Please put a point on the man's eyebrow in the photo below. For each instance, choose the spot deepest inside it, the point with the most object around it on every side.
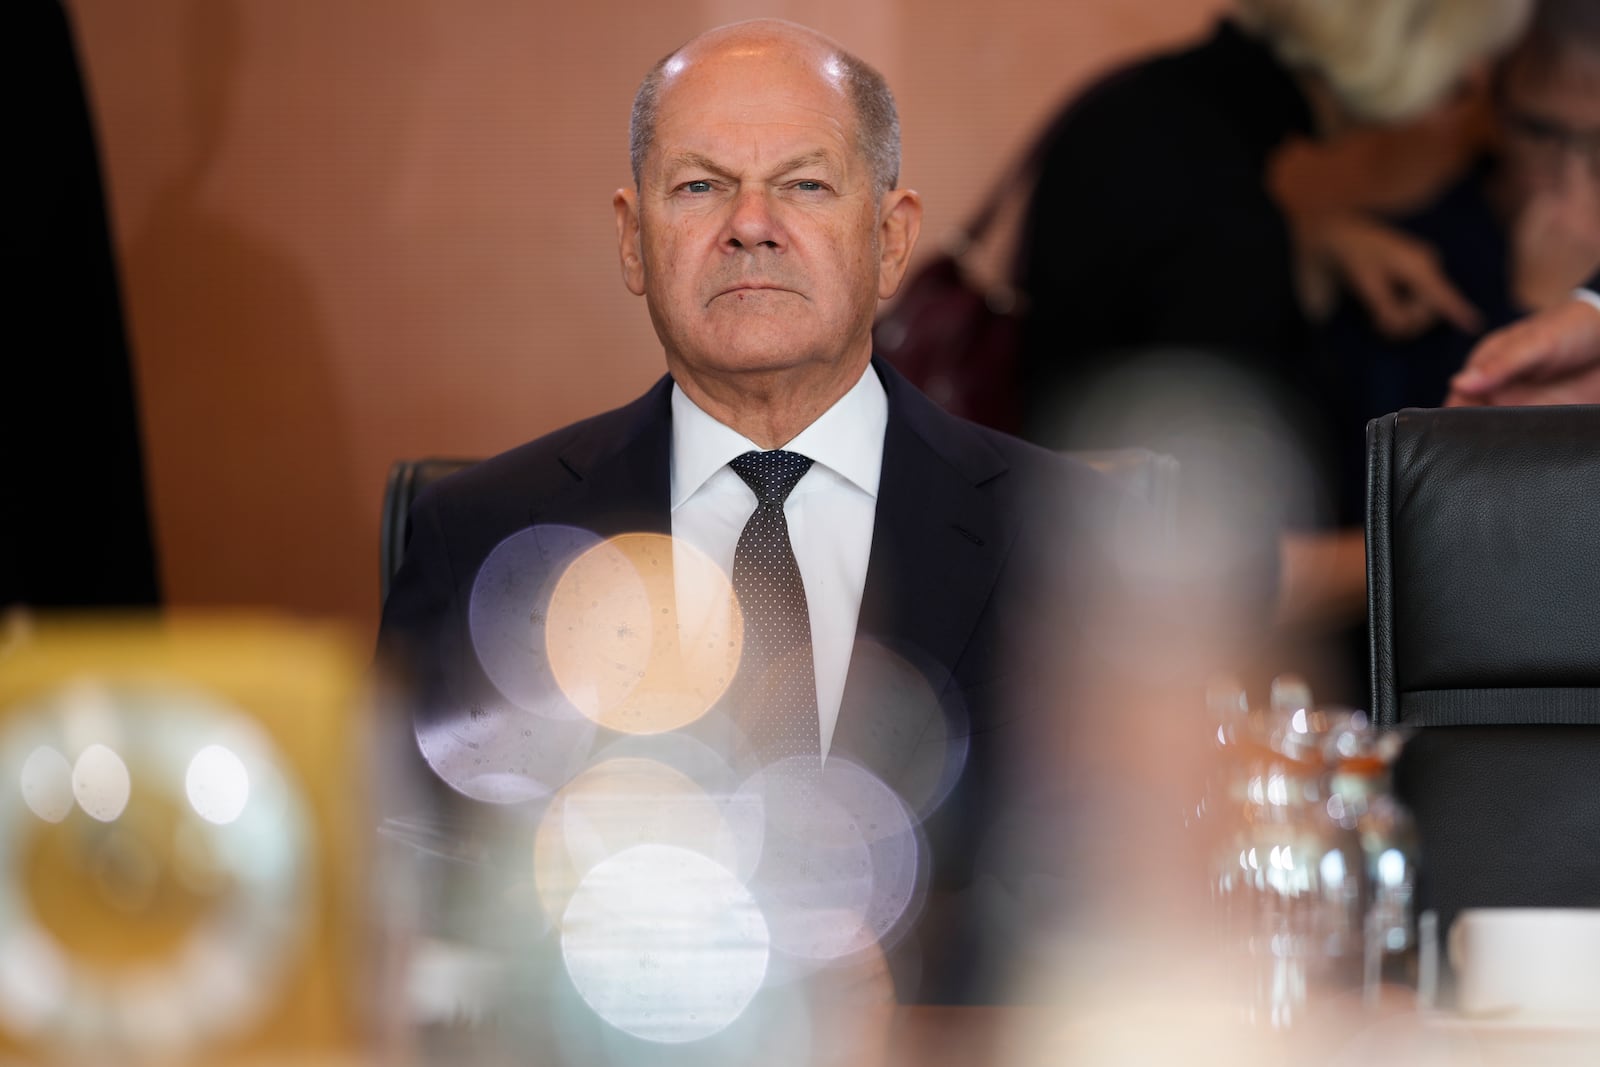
(818, 158)
(696, 161)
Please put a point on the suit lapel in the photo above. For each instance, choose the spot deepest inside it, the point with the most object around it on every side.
(938, 542)
(938, 546)
(621, 471)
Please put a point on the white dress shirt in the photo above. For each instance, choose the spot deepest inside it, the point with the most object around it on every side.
(830, 514)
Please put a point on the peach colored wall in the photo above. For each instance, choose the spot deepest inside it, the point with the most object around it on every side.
(353, 231)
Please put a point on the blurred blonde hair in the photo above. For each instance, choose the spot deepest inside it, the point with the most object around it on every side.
(1385, 60)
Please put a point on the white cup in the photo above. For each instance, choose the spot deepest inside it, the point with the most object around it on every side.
(1537, 964)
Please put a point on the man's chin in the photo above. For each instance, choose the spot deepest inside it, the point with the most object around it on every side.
(758, 342)
(756, 361)
(752, 353)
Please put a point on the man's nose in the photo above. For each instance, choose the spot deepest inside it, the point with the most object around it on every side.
(752, 222)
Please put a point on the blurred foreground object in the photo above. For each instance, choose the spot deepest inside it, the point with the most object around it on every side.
(1315, 865)
(69, 405)
(181, 862)
(1315, 958)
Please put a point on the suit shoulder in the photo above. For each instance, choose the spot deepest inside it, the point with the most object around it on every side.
(1063, 471)
(549, 464)
(1006, 465)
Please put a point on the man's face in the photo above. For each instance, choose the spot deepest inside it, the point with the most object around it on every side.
(755, 234)
(1550, 117)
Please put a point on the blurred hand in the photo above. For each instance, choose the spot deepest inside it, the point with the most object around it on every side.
(1552, 357)
(1555, 242)
(1396, 276)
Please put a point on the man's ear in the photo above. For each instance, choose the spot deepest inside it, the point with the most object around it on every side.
(900, 221)
(626, 204)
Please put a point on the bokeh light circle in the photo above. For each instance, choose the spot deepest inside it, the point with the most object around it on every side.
(498, 753)
(734, 841)
(839, 865)
(906, 726)
(100, 783)
(217, 784)
(621, 804)
(665, 944)
(47, 784)
(644, 633)
(508, 614)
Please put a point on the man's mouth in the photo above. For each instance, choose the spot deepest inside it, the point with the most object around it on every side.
(743, 288)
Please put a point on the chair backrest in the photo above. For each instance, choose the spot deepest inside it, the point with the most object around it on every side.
(1483, 587)
(407, 478)
(1483, 566)
(1148, 477)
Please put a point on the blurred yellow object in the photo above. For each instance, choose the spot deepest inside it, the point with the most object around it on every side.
(184, 807)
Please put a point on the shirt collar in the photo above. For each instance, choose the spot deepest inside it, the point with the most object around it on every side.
(847, 439)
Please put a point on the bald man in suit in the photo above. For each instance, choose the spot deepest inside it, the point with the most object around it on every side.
(764, 225)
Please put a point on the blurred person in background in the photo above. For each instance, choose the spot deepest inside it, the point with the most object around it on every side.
(1516, 233)
(1553, 356)
(1548, 104)
(1152, 228)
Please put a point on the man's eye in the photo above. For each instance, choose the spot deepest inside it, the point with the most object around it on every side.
(808, 186)
(697, 186)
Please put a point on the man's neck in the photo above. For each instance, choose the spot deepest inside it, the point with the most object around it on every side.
(769, 408)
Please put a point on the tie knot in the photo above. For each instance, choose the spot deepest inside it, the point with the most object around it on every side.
(772, 475)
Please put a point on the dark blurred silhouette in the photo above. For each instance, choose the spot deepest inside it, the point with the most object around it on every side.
(1153, 230)
(1152, 225)
(76, 527)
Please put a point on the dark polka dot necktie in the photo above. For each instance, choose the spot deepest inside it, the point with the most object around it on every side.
(777, 686)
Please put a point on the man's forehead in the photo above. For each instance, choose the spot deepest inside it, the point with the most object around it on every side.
(790, 55)
(727, 98)
(760, 40)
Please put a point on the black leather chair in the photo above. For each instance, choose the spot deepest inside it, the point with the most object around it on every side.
(1150, 478)
(1483, 586)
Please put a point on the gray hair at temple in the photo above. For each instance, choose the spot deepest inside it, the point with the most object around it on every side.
(877, 122)
(1386, 60)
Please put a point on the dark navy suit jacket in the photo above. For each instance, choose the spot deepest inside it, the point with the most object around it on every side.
(981, 548)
